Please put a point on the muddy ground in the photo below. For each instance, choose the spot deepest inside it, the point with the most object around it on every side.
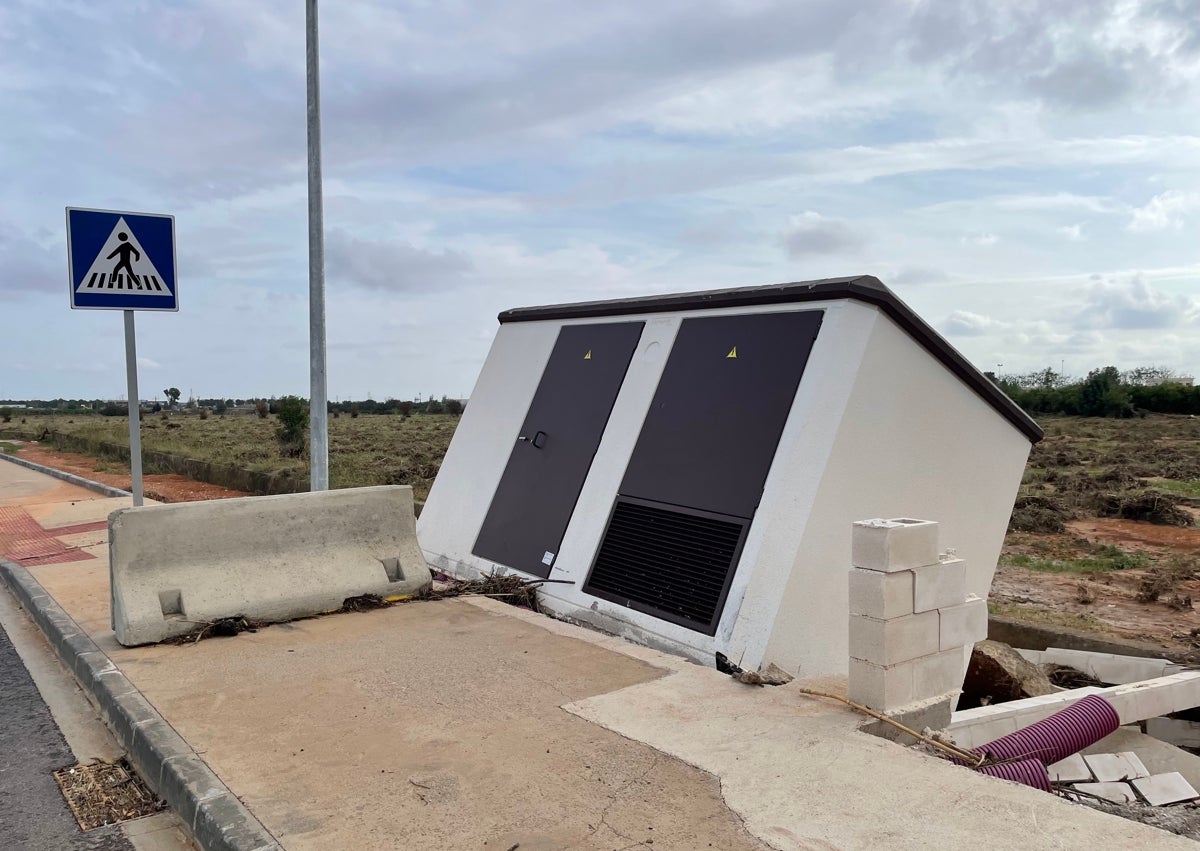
(157, 486)
(1076, 554)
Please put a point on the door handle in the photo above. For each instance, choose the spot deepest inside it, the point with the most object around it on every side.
(538, 441)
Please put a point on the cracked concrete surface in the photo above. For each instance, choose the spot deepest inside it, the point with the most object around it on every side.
(427, 725)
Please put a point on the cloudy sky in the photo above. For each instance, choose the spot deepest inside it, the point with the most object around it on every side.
(1025, 174)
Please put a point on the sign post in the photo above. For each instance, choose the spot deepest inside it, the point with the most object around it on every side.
(135, 410)
(123, 261)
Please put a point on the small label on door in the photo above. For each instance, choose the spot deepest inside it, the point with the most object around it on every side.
(548, 558)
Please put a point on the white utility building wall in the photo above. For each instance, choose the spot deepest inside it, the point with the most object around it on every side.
(887, 420)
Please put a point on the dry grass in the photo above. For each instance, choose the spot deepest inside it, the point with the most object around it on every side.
(106, 793)
(372, 449)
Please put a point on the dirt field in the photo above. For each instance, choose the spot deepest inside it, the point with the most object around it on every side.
(1103, 537)
(164, 488)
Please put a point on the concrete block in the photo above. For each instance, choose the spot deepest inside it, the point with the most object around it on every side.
(938, 674)
(270, 558)
(896, 640)
(1115, 766)
(881, 595)
(889, 545)
(1073, 769)
(963, 625)
(1139, 701)
(933, 713)
(881, 687)
(1128, 707)
(983, 732)
(1160, 790)
(1117, 793)
(939, 585)
(1185, 690)
(1028, 710)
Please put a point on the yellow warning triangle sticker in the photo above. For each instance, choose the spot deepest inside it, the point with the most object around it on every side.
(588, 356)
(732, 353)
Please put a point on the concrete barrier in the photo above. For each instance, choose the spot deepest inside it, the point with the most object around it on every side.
(175, 568)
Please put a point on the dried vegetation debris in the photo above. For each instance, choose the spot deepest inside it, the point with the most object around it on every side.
(508, 588)
(1180, 819)
(106, 793)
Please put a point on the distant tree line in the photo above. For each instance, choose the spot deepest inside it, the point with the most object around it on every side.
(113, 408)
(1104, 392)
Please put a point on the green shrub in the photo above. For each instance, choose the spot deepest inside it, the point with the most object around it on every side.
(291, 412)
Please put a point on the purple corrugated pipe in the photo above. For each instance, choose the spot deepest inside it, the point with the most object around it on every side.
(1028, 772)
(1064, 733)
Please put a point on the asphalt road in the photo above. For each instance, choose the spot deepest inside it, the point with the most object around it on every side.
(33, 814)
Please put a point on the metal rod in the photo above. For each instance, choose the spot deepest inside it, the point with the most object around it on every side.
(318, 393)
(135, 410)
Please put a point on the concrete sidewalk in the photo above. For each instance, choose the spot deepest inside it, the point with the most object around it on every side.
(470, 724)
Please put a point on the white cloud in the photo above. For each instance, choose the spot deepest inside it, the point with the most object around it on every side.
(586, 151)
(148, 363)
(1162, 212)
(1133, 304)
(964, 323)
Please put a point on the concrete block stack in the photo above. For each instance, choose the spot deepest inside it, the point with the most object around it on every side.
(910, 615)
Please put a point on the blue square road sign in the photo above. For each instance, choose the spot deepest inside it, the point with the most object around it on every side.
(121, 261)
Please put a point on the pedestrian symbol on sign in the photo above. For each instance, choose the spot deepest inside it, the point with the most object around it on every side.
(132, 274)
(125, 249)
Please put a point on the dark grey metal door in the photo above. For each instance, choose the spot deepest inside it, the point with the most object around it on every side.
(552, 455)
(698, 470)
(710, 436)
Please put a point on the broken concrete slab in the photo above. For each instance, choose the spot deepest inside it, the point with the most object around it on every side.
(1114, 792)
(1073, 769)
(998, 674)
(1116, 766)
(1159, 790)
(1158, 757)
(1133, 701)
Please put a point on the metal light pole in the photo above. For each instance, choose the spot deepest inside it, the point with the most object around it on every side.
(318, 392)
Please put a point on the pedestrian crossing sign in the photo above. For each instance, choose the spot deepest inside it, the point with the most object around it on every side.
(121, 261)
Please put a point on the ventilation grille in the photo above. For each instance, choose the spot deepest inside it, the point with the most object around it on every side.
(673, 563)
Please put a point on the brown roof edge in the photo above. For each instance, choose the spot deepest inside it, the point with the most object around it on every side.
(864, 288)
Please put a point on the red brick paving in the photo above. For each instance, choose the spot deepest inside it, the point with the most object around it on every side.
(23, 540)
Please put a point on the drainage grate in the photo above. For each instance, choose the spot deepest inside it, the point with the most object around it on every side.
(673, 563)
(106, 793)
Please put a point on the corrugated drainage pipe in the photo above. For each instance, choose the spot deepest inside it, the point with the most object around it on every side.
(1028, 772)
(1055, 738)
